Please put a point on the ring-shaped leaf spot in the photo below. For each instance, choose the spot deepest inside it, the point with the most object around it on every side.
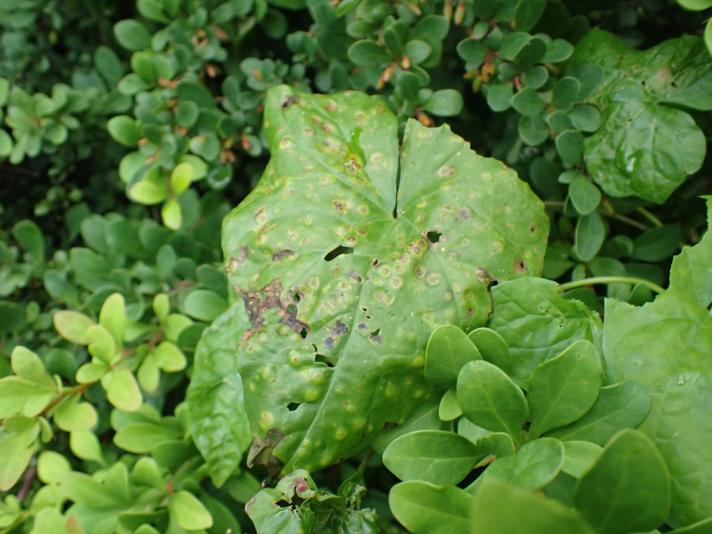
(490, 399)
(563, 388)
(646, 144)
(339, 272)
(502, 508)
(434, 456)
(491, 346)
(537, 323)
(619, 406)
(447, 351)
(535, 465)
(628, 488)
(425, 508)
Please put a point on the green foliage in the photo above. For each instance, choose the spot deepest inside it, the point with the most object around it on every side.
(375, 306)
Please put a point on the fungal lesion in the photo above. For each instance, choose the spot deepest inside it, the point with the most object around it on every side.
(257, 302)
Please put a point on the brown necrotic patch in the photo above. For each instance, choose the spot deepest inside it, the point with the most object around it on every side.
(259, 301)
(282, 254)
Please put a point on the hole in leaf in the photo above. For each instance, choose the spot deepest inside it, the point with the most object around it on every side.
(293, 406)
(433, 236)
(375, 262)
(303, 332)
(296, 297)
(320, 358)
(338, 251)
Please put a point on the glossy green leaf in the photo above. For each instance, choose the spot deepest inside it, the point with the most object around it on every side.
(171, 214)
(367, 53)
(565, 93)
(142, 437)
(537, 323)
(628, 488)
(665, 345)
(490, 399)
(491, 346)
(645, 146)
(204, 305)
(124, 130)
(72, 415)
(535, 465)
(85, 445)
(579, 456)
(433, 456)
(425, 508)
(113, 316)
(619, 406)
(447, 351)
(563, 388)
(132, 35)
(589, 237)
(584, 195)
(502, 508)
(342, 296)
(101, 344)
(444, 103)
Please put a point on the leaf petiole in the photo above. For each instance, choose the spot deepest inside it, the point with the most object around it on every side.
(611, 280)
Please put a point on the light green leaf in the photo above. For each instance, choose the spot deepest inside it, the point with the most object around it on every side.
(70, 414)
(444, 103)
(564, 388)
(85, 445)
(52, 467)
(124, 130)
(170, 357)
(579, 456)
(181, 177)
(490, 399)
(113, 316)
(189, 512)
(425, 508)
(101, 343)
(447, 351)
(122, 390)
(171, 214)
(204, 305)
(72, 326)
(17, 443)
(433, 456)
(141, 437)
(449, 409)
(627, 489)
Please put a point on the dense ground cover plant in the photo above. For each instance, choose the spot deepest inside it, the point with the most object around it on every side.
(389, 330)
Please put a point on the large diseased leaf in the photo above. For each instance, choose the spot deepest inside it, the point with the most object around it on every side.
(646, 145)
(336, 285)
(667, 346)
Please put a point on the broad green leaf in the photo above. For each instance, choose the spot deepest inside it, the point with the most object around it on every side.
(665, 345)
(218, 420)
(447, 351)
(579, 456)
(584, 195)
(563, 388)
(657, 244)
(433, 456)
(619, 406)
(181, 177)
(171, 214)
(491, 346)
(444, 103)
(149, 190)
(169, 356)
(425, 417)
(189, 512)
(527, 102)
(695, 5)
(366, 53)
(19, 396)
(72, 326)
(30, 238)
(589, 237)
(535, 465)
(646, 145)
(502, 508)
(701, 527)
(490, 399)
(28, 366)
(337, 286)
(113, 316)
(122, 390)
(18, 436)
(628, 488)
(537, 323)
(425, 508)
